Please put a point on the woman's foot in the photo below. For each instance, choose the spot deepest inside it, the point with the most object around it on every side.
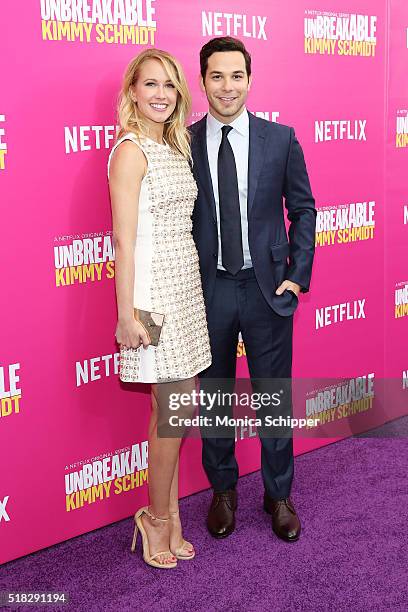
(158, 535)
(178, 545)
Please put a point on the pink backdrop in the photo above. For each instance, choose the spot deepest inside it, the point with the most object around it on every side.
(396, 236)
(62, 407)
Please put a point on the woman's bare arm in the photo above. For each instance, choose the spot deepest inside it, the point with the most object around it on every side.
(127, 168)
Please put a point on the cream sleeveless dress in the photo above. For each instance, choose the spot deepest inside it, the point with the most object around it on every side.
(167, 275)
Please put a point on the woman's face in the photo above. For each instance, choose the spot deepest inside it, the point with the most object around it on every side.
(154, 93)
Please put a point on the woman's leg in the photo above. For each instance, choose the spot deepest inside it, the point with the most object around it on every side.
(163, 469)
(163, 456)
(174, 495)
(176, 532)
(177, 541)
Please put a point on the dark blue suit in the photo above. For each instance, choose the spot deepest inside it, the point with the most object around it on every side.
(247, 302)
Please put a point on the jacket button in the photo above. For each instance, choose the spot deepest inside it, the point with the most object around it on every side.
(215, 255)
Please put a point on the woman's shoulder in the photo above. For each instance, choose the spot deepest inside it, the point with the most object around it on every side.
(127, 137)
(124, 153)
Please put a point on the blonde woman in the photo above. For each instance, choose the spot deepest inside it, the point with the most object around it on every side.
(152, 195)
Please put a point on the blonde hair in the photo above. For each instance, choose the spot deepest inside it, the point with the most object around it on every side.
(130, 119)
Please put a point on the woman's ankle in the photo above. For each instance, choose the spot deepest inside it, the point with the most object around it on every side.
(159, 517)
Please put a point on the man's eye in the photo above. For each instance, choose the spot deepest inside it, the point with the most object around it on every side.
(238, 76)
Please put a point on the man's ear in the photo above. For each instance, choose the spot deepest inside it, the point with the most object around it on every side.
(201, 82)
(249, 82)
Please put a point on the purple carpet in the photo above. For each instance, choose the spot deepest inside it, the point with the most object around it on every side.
(352, 498)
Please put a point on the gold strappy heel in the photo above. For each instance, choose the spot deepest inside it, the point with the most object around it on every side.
(147, 557)
(178, 552)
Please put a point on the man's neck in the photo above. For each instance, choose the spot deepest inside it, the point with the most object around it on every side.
(226, 120)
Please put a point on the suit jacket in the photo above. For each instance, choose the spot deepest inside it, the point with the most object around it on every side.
(276, 170)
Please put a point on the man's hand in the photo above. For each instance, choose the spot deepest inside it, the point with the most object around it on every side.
(287, 284)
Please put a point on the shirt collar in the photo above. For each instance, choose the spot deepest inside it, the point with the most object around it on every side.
(241, 124)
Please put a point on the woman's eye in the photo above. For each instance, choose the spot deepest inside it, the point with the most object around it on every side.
(170, 85)
(149, 84)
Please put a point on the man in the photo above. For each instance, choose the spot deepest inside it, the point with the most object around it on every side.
(244, 166)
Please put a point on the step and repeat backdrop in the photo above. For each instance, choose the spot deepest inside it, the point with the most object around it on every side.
(396, 191)
(73, 440)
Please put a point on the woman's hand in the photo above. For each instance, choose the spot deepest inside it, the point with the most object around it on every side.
(131, 334)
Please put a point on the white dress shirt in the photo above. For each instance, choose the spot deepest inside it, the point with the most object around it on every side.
(239, 140)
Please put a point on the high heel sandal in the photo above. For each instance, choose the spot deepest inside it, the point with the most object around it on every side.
(147, 557)
(178, 552)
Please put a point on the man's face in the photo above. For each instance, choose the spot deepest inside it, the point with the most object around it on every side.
(226, 84)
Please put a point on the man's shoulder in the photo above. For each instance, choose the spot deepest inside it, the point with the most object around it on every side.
(194, 128)
(279, 130)
(271, 126)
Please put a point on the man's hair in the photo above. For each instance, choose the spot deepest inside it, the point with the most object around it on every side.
(224, 43)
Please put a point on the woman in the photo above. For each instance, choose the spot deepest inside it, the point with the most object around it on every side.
(156, 270)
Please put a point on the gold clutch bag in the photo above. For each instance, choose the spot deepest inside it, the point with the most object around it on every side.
(152, 322)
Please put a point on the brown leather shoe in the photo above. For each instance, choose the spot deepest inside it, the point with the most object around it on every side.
(285, 521)
(221, 515)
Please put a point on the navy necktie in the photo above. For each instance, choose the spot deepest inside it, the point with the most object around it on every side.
(230, 214)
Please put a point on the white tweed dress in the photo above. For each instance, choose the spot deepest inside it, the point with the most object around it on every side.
(167, 274)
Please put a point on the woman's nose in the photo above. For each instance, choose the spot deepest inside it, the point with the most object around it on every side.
(160, 92)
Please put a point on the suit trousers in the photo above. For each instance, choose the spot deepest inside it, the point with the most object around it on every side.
(238, 305)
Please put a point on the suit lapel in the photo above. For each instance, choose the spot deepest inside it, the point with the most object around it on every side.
(200, 158)
(255, 161)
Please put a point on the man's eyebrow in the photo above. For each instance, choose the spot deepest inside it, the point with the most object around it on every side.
(234, 72)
